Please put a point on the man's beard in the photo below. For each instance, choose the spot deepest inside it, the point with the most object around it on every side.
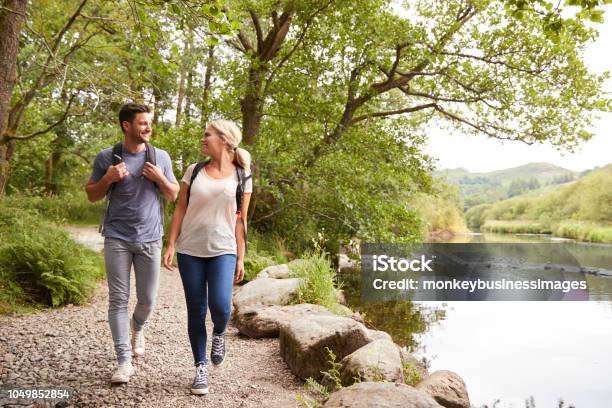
(141, 137)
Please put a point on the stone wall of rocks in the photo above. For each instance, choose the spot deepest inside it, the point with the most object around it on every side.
(372, 366)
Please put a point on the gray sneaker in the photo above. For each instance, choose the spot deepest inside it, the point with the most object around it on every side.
(200, 382)
(217, 349)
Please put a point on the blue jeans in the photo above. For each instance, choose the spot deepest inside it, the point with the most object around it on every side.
(207, 282)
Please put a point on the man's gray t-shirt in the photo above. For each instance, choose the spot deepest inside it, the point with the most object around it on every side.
(134, 212)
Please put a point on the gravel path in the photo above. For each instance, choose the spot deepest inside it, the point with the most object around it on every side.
(72, 347)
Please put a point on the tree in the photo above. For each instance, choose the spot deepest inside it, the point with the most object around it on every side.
(12, 16)
(367, 71)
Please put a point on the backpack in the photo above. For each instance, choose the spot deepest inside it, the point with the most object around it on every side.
(242, 179)
(117, 156)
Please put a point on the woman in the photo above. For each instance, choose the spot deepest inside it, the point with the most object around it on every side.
(211, 241)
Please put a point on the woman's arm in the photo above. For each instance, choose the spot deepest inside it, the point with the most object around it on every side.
(241, 228)
(175, 225)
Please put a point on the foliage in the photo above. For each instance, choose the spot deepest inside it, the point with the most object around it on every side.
(340, 95)
(40, 264)
(412, 376)
(441, 210)
(319, 281)
(69, 208)
(580, 210)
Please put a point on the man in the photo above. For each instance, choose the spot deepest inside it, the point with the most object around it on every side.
(132, 228)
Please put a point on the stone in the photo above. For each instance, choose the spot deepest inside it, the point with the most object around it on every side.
(275, 272)
(376, 361)
(447, 388)
(340, 298)
(303, 342)
(264, 321)
(266, 291)
(379, 335)
(380, 395)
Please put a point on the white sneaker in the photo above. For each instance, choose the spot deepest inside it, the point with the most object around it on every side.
(123, 373)
(138, 341)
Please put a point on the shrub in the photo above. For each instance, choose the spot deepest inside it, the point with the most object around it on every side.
(40, 264)
(319, 286)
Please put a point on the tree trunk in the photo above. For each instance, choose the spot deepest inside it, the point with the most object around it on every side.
(207, 84)
(12, 16)
(188, 96)
(251, 105)
(185, 67)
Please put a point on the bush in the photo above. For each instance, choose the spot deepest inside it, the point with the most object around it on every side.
(319, 286)
(40, 264)
(66, 208)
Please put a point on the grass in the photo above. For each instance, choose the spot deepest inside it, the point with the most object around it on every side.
(40, 265)
(584, 231)
(515, 227)
(319, 285)
(578, 230)
(72, 208)
(263, 251)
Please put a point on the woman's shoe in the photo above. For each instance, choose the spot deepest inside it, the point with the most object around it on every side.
(217, 349)
(200, 382)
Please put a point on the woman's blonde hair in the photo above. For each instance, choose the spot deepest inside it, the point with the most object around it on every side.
(233, 136)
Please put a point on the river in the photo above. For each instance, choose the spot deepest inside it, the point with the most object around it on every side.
(514, 351)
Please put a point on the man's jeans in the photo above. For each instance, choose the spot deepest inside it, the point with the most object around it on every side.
(119, 257)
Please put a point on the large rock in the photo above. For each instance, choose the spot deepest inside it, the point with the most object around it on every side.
(303, 342)
(377, 361)
(447, 388)
(380, 395)
(379, 335)
(275, 272)
(266, 291)
(264, 321)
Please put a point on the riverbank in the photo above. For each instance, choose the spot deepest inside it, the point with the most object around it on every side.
(577, 230)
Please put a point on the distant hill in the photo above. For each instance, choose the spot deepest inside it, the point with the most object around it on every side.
(581, 210)
(480, 188)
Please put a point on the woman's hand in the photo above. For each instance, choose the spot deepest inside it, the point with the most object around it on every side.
(239, 271)
(167, 258)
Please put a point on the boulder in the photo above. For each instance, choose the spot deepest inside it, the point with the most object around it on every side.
(264, 321)
(340, 298)
(447, 388)
(376, 361)
(266, 291)
(380, 395)
(275, 272)
(379, 335)
(297, 262)
(303, 342)
(346, 265)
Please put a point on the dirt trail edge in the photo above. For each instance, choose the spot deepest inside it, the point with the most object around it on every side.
(72, 346)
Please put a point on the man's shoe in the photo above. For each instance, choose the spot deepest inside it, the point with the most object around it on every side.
(123, 373)
(200, 382)
(138, 341)
(217, 349)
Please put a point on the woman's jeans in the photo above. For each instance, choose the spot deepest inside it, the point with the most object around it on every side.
(207, 282)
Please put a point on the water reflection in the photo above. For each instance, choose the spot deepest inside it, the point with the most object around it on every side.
(512, 354)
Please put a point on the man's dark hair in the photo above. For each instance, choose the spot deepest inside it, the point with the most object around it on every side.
(129, 110)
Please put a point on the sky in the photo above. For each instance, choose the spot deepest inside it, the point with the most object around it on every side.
(482, 154)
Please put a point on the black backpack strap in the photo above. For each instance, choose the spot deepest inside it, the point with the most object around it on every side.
(242, 179)
(116, 158)
(196, 170)
(150, 154)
